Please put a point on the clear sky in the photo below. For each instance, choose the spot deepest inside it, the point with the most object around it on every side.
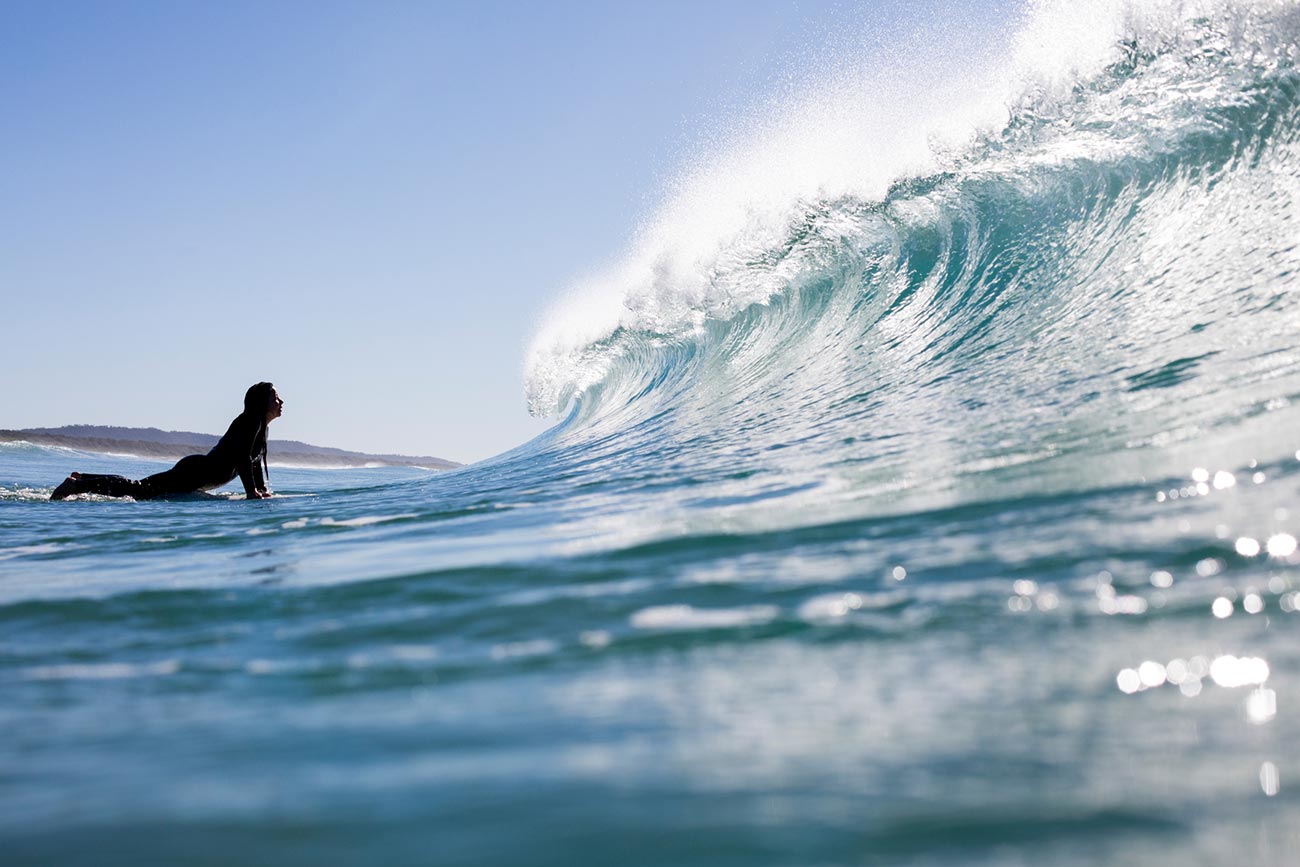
(370, 203)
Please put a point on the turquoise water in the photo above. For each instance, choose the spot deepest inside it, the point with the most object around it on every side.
(952, 524)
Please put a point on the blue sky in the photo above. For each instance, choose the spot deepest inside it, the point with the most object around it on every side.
(370, 203)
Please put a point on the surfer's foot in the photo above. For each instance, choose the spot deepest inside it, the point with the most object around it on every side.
(66, 488)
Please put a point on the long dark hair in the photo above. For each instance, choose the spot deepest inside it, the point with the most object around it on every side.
(256, 399)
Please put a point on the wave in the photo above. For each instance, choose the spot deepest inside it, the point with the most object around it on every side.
(1102, 224)
(14, 447)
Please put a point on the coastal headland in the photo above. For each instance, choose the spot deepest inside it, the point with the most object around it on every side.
(171, 445)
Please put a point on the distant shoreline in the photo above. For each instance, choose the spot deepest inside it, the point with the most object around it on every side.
(151, 443)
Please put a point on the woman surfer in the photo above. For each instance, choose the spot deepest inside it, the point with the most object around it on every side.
(241, 452)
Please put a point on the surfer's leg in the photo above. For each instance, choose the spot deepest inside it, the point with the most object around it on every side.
(185, 478)
(105, 486)
(189, 475)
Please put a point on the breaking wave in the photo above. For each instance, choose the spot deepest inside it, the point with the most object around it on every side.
(1086, 249)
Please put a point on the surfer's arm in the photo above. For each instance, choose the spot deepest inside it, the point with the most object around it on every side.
(248, 459)
(259, 483)
(250, 475)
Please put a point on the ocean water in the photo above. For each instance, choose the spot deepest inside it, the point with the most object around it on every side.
(927, 497)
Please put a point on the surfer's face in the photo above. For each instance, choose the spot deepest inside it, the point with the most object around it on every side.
(274, 406)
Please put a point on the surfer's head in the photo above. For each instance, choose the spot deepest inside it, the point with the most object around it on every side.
(262, 398)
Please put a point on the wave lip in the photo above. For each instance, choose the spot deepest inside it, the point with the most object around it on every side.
(1117, 102)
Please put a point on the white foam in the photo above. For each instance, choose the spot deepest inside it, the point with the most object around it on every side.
(524, 649)
(30, 550)
(689, 617)
(364, 520)
(102, 670)
(835, 606)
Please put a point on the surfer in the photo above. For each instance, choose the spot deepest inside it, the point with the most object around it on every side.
(241, 452)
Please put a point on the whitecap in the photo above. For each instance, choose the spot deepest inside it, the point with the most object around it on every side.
(689, 617)
(833, 606)
(29, 550)
(364, 520)
(102, 670)
(523, 649)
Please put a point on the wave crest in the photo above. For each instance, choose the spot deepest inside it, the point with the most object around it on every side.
(1026, 171)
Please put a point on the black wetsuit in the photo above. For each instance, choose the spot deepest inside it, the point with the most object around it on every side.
(241, 452)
